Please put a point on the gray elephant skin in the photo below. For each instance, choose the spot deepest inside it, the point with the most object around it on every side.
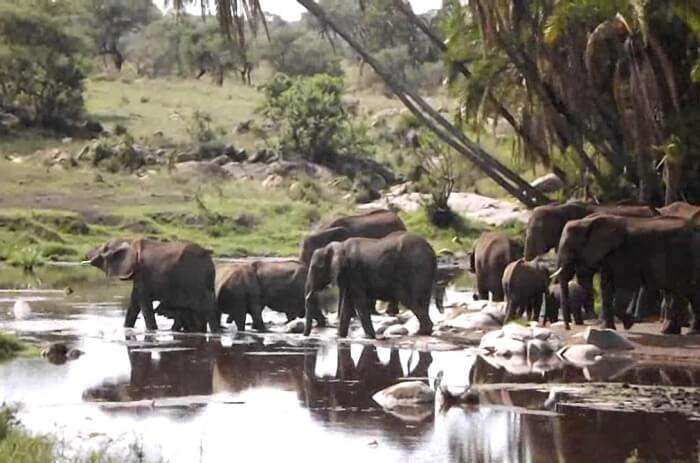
(374, 224)
(248, 287)
(580, 300)
(178, 274)
(663, 253)
(546, 223)
(399, 267)
(491, 253)
(525, 286)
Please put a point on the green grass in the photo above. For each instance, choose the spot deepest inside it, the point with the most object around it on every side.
(11, 346)
(17, 445)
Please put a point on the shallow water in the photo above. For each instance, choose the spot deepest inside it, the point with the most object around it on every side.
(277, 397)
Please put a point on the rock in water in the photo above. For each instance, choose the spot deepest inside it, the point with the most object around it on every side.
(396, 330)
(581, 354)
(21, 309)
(295, 326)
(404, 394)
(386, 323)
(607, 339)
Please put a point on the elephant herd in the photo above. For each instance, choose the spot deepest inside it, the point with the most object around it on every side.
(641, 253)
(369, 257)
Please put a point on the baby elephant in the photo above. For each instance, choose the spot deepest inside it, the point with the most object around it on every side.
(525, 285)
(246, 288)
(580, 300)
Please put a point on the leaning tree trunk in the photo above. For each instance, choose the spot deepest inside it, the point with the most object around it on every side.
(434, 121)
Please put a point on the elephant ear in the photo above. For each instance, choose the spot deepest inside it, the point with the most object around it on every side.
(320, 239)
(604, 235)
(122, 260)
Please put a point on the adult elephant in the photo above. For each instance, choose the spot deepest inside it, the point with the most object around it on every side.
(246, 288)
(491, 253)
(374, 224)
(663, 253)
(546, 223)
(178, 274)
(399, 267)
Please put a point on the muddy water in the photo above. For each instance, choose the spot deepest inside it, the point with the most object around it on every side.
(281, 397)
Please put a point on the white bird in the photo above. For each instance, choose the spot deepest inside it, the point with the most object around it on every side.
(21, 309)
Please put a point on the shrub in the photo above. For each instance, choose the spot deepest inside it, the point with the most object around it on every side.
(296, 54)
(40, 67)
(313, 123)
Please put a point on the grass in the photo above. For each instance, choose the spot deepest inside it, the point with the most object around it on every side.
(11, 347)
(17, 445)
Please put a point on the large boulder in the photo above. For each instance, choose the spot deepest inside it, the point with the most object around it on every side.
(205, 169)
(549, 183)
(607, 339)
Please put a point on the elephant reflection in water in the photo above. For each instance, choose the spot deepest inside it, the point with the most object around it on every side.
(160, 373)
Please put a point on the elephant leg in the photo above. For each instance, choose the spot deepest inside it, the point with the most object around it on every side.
(623, 299)
(148, 315)
(256, 312)
(229, 319)
(132, 312)
(607, 294)
(362, 308)
(695, 304)
(497, 294)
(214, 321)
(672, 321)
(439, 296)
(345, 311)
(373, 307)
(239, 320)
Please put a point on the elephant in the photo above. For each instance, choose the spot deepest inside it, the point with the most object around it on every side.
(580, 299)
(546, 223)
(374, 224)
(178, 274)
(248, 287)
(525, 285)
(491, 253)
(399, 267)
(663, 253)
(682, 209)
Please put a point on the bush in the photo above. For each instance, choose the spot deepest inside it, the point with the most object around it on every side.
(40, 67)
(296, 54)
(313, 123)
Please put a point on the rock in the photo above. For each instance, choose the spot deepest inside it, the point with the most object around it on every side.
(404, 394)
(538, 348)
(66, 140)
(386, 323)
(263, 155)
(221, 160)
(295, 326)
(244, 126)
(201, 168)
(549, 183)
(607, 339)
(396, 330)
(580, 354)
(58, 353)
(185, 157)
(273, 181)
(9, 122)
(21, 309)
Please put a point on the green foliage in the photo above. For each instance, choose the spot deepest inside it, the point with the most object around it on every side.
(27, 258)
(10, 346)
(40, 67)
(311, 119)
(295, 53)
(199, 127)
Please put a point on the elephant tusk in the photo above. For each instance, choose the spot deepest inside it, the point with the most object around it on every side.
(556, 274)
(86, 262)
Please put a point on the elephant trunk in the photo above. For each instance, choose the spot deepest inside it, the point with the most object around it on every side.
(311, 305)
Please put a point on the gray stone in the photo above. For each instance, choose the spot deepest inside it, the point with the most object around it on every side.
(404, 394)
(396, 330)
(607, 339)
(549, 183)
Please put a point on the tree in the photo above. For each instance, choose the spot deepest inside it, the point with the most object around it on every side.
(41, 77)
(111, 20)
(296, 53)
(312, 121)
